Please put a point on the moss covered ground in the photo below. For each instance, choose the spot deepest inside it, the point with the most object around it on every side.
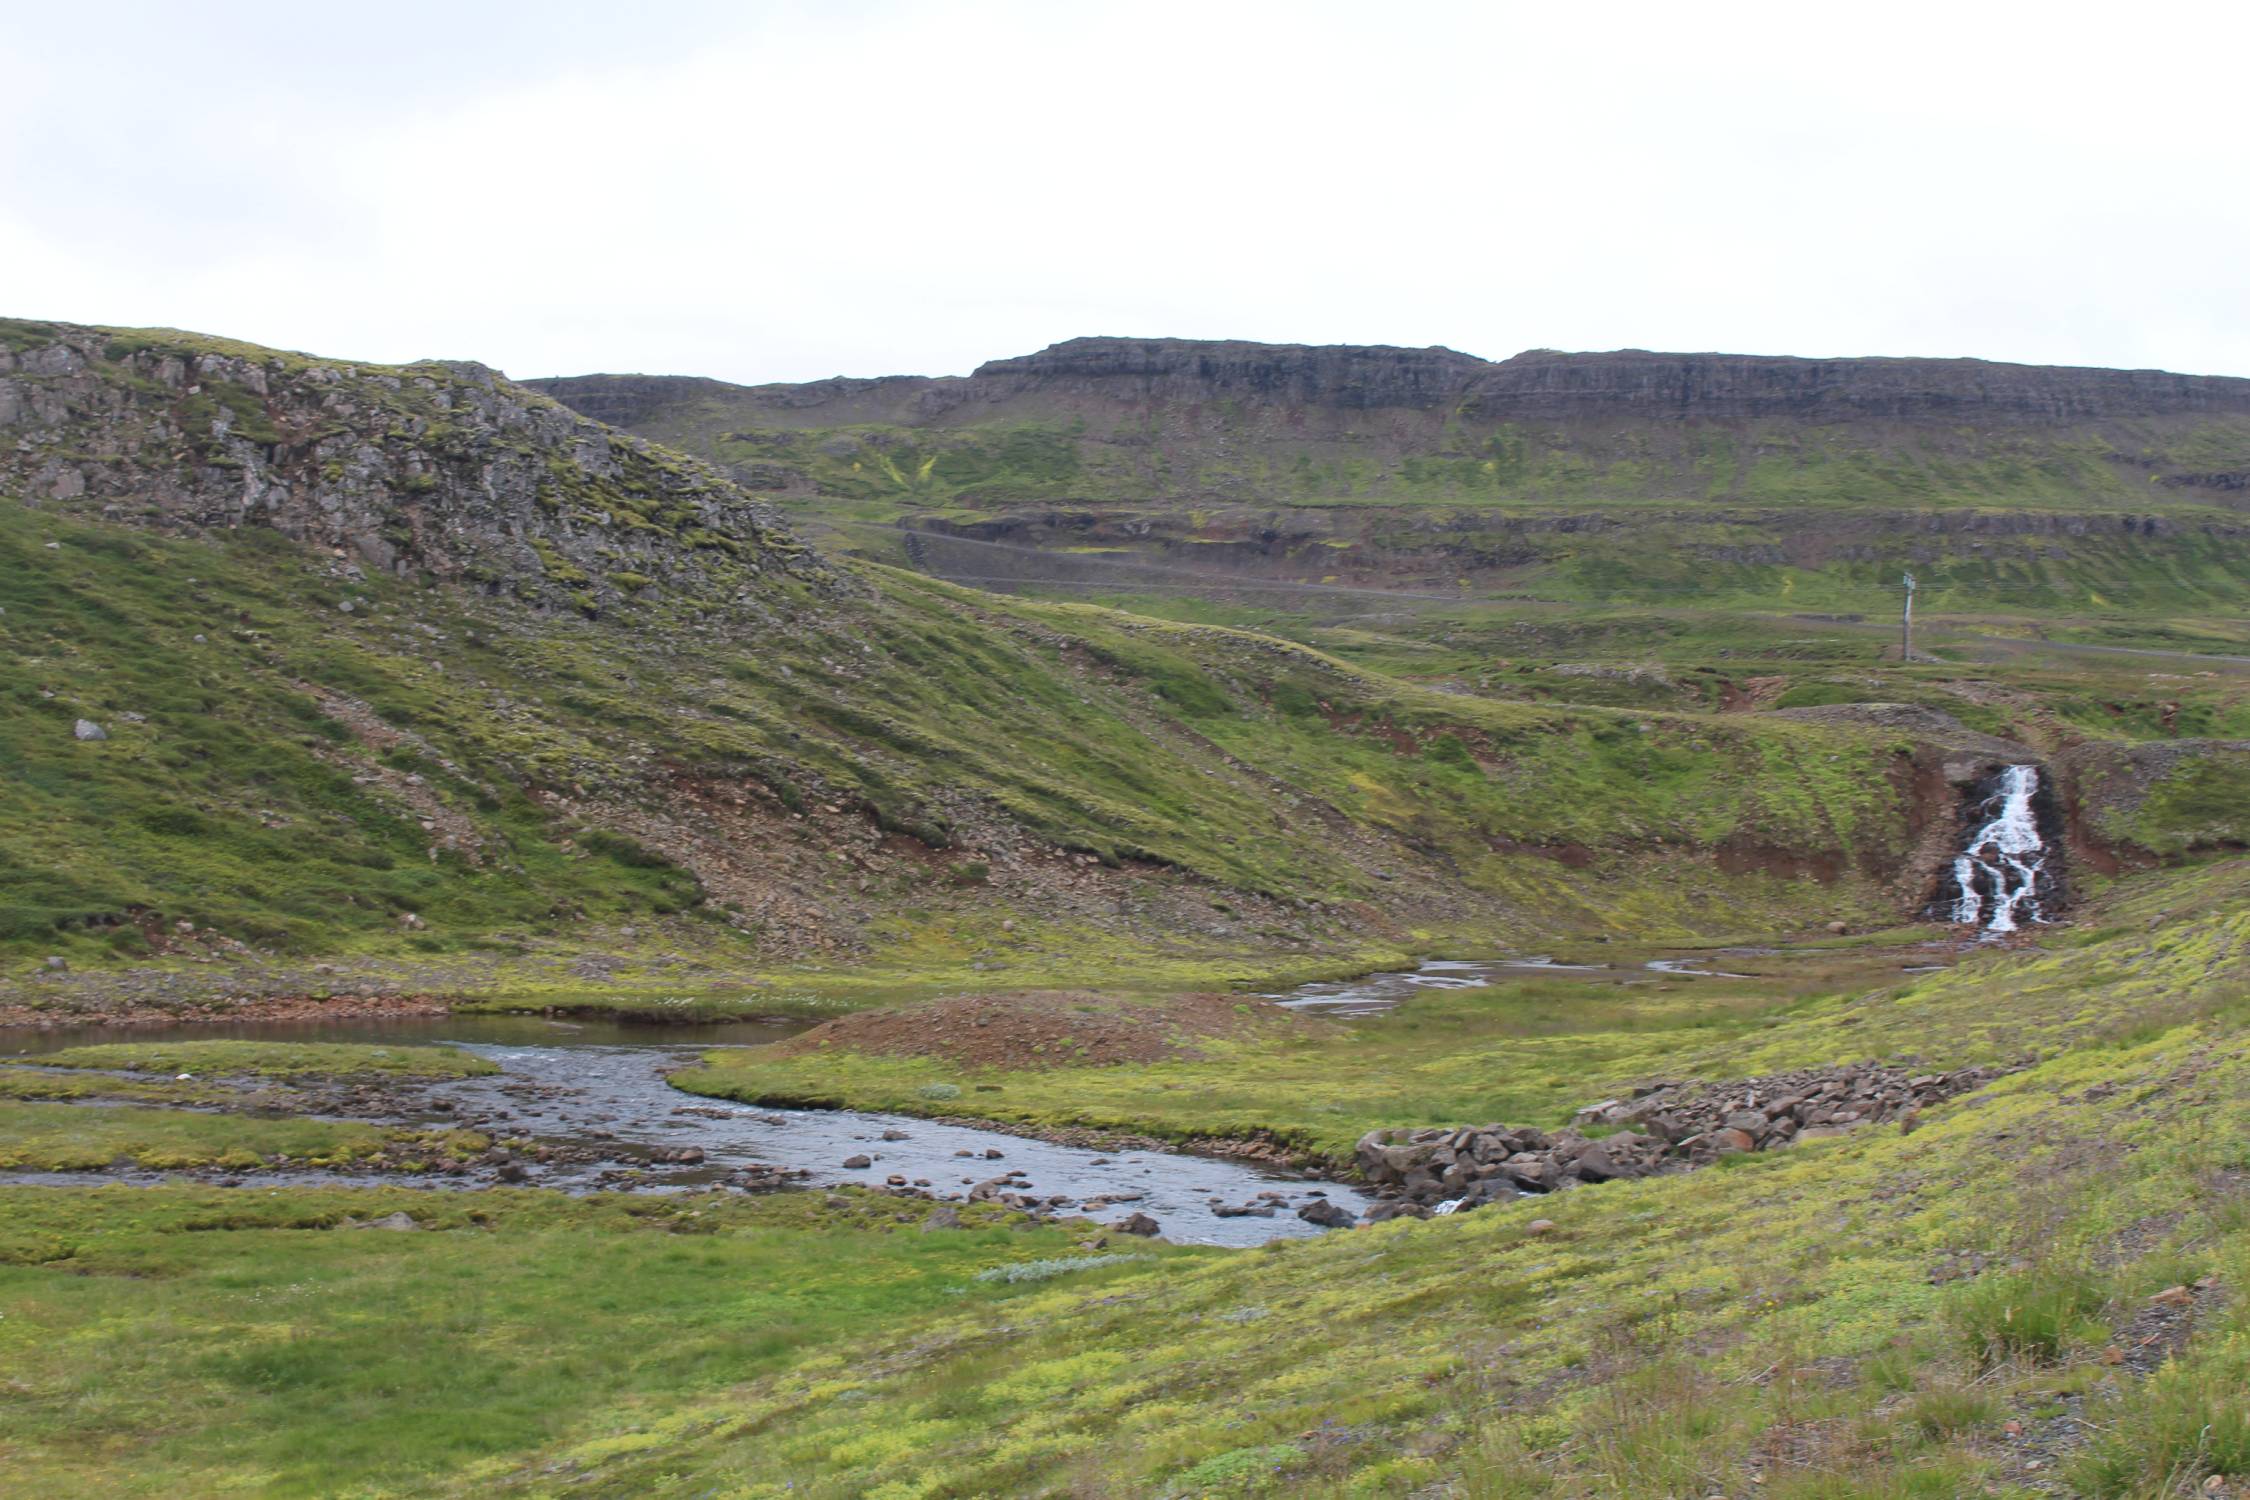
(1861, 1316)
(269, 1059)
(179, 1340)
(2035, 1290)
(49, 1136)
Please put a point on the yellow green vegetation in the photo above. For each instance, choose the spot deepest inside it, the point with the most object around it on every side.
(17, 1082)
(62, 1137)
(1857, 1316)
(196, 1341)
(1531, 1052)
(278, 1059)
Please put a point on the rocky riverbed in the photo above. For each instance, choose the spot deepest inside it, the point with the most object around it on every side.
(588, 1108)
(1668, 1127)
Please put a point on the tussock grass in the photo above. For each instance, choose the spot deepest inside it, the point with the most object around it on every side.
(2189, 1421)
(2032, 1316)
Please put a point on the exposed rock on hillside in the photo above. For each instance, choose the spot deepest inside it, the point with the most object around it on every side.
(1668, 1127)
(444, 468)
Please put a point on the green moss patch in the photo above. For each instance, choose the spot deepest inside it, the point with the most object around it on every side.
(276, 1059)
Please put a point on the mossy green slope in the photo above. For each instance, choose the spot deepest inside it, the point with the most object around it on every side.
(1784, 1321)
(290, 777)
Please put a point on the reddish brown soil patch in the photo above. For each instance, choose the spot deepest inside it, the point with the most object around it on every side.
(1048, 1029)
(1751, 694)
(248, 1008)
(1738, 855)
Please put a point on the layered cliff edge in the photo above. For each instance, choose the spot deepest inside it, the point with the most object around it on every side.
(1539, 383)
(1549, 384)
(1175, 420)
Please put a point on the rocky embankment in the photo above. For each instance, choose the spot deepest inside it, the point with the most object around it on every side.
(1668, 1127)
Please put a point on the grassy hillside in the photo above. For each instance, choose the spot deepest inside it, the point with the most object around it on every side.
(431, 773)
(478, 687)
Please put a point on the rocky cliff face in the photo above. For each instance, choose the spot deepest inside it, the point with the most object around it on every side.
(439, 468)
(1190, 370)
(1624, 385)
(1546, 384)
(1628, 383)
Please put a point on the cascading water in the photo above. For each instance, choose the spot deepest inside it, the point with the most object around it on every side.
(2001, 873)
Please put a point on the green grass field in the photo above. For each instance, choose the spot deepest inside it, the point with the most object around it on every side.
(1861, 1316)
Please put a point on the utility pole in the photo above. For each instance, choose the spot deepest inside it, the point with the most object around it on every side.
(1906, 624)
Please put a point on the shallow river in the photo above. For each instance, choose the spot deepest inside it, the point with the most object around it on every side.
(602, 1084)
(600, 1088)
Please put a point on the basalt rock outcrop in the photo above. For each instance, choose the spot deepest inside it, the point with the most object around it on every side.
(1342, 375)
(446, 469)
(1545, 384)
(1664, 1127)
(1548, 384)
(1955, 446)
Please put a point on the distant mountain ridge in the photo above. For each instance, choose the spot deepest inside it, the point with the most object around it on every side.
(1543, 384)
(1167, 447)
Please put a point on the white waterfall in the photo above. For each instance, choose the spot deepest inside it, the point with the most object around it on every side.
(1998, 872)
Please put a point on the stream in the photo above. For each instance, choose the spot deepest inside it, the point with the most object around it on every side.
(595, 1093)
(1373, 994)
(599, 1088)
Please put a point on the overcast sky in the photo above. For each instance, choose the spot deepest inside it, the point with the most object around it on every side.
(782, 192)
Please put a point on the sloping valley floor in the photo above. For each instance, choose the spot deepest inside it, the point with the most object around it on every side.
(2031, 1289)
(356, 712)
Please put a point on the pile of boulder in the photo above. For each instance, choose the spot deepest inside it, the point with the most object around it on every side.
(1661, 1127)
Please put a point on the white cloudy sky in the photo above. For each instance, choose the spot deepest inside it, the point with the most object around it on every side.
(788, 191)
